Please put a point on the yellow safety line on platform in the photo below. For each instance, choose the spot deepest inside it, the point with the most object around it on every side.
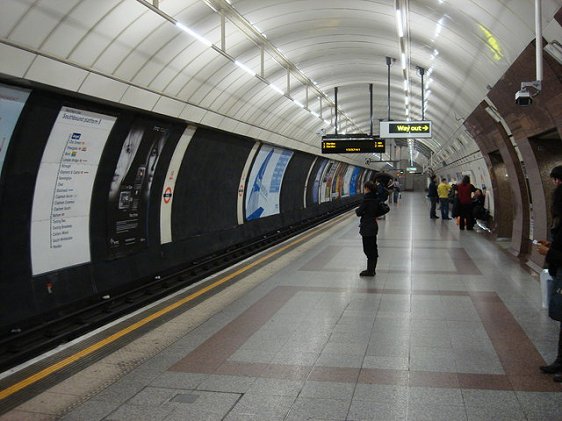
(98, 345)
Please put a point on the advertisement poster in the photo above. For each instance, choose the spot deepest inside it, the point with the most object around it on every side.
(317, 181)
(130, 188)
(170, 184)
(354, 186)
(347, 180)
(12, 101)
(327, 179)
(265, 182)
(60, 223)
(338, 183)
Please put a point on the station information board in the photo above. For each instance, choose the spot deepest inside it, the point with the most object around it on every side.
(352, 143)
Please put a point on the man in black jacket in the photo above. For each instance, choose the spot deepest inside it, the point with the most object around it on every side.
(368, 227)
(433, 197)
(553, 252)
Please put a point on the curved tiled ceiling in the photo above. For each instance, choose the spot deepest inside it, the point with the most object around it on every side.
(317, 45)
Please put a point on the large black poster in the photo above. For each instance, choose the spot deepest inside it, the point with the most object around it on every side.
(130, 187)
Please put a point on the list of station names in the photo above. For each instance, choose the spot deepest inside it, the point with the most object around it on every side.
(73, 166)
(61, 203)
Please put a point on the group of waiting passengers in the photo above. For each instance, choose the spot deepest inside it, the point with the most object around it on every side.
(467, 201)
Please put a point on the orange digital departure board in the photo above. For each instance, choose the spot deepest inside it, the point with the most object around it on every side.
(352, 143)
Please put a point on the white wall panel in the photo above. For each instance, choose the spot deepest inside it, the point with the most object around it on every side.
(14, 62)
(168, 106)
(55, 73)
(103, 87)
(139, 98)
(193, 113)
(212, 119)
(229, 124)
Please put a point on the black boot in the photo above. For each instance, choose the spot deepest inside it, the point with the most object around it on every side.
(557, 377)
(371, 265)
(555, 367)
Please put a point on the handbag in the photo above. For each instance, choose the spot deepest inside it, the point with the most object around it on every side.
(382, 209)
(555, 303)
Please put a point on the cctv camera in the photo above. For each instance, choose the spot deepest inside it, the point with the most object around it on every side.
(523, 98)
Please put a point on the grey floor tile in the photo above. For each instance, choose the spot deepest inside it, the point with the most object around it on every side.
(275, 387)
(204, 402)
(325, 409)
(120, 391)
(381, 393)
(419, 412)
(326, 390)
(361, 410)
(432, 359)
(178, 380)
(339, 360)
(537, 402)
(345, 348)
(491, 413)
(152, 396)
(139, 413)
(92, 410)
(389, 363)
(429, 396)
(261, 407)
(232, 384)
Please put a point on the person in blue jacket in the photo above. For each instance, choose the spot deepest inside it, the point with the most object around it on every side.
(368, 227)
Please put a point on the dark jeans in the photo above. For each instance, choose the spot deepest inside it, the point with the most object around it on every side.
(370, 247)
(444, 208)
(465, 213)
(433, 201)
(395, 195)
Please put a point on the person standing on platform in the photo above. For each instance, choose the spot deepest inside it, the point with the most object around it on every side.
(552, 250)
(464, 196)
(443, 190)
(433, 197)
(396, 190)
(368, 227)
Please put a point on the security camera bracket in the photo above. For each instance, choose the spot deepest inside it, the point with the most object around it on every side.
(535, 84)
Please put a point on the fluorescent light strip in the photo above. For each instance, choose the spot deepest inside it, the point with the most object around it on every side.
(194, 34)
(245, 68)
(276, 89)
(298, 103)
(399, 23)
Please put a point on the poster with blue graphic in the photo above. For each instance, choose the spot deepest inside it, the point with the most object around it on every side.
(353, 181)
(347, 180)
(12, 101)
(264, 183)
